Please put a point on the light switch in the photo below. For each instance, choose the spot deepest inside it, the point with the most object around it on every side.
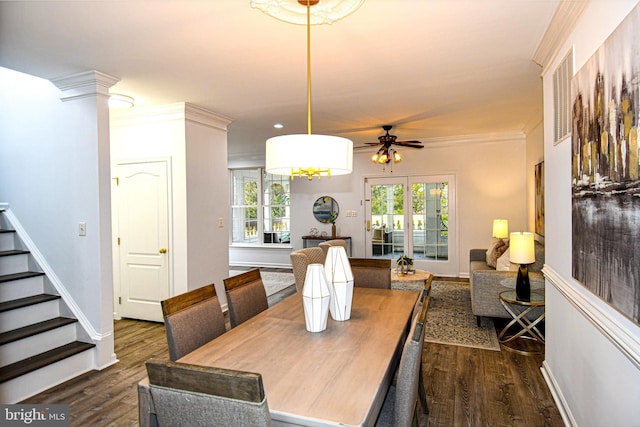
(82, 229)
(220, 223)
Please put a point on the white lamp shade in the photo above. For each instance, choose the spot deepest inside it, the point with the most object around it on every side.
(325, 12)
(316, 298)
(288, 154)
(521, 248)
(340, 278)
(500, 228)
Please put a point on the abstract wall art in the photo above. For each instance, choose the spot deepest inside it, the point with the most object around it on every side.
(605, 170)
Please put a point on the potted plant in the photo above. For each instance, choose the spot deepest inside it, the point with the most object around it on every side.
(404, 265)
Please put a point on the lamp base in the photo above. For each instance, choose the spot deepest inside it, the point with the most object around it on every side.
(523, 288)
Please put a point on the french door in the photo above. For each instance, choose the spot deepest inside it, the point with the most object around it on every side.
(414, 216)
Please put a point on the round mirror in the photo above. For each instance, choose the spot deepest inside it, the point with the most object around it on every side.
(325, 209)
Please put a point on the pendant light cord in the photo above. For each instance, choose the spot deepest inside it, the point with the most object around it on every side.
(309, 67)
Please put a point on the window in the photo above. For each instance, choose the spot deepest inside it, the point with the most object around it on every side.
(260, 207)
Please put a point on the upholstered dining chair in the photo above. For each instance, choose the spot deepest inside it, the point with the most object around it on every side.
(300, 259)
(371, 272)
(335, 242)
(192, 395)
(246, 296)
(191, 320)
(399, 407)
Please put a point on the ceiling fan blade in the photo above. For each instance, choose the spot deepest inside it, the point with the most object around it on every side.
(362, 147)
(411, 144)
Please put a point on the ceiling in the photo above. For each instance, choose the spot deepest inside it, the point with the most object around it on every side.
(431, 68)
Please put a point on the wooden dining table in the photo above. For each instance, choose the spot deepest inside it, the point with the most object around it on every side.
(336, 377)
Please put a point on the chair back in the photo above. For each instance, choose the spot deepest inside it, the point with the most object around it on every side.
(408, 381)
(246, 296)
(191, 395)
(371, 272)
(335, 242)
(300, 259)
(191, 320)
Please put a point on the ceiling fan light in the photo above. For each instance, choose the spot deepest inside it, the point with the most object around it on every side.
(397, 157)
(374, 158)
(384, 158)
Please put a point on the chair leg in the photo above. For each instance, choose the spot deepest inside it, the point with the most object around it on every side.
(478, 320)
(422, 395)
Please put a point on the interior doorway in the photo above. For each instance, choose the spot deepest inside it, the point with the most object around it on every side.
(413, 216)
(141, 228)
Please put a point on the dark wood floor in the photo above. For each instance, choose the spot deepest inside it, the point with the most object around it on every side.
(464, 386)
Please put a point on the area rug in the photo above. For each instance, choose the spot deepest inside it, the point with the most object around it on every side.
(450, 320)
(273, 281)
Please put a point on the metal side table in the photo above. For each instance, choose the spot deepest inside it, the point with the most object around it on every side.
(528, 328)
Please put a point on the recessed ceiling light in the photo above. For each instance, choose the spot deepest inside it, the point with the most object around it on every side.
(278, 125)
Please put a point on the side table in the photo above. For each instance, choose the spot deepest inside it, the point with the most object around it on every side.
(518, 310)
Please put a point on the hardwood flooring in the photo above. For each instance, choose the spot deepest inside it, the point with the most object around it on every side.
(464, 386)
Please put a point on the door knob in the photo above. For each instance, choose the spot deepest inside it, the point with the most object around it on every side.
(163, 250)
(368, 225)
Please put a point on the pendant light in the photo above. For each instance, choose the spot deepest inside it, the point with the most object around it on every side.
(308, 154)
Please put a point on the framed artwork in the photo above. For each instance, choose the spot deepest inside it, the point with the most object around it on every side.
(539, 198)
(605, 115)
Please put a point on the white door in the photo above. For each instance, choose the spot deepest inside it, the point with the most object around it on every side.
(414, 216)
(143, 233)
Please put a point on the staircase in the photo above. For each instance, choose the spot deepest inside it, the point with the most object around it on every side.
(39, 338)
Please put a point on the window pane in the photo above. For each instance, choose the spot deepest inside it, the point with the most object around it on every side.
(276, 211)
(244, 210)
(430, 220)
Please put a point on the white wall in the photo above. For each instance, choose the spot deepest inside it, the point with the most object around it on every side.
(195, 141)
(491, 176)
(54, 174)
(592, 358)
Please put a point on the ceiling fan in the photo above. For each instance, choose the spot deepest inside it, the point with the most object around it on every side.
(386, 153)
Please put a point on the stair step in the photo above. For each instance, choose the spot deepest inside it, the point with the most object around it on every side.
(18, 276)
(41, 360)
(26, 302)
(36, 328)
(7, 230)
(13, 252)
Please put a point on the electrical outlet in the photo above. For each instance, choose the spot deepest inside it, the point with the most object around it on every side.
(82, 229)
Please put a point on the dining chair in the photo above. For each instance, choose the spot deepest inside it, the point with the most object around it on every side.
(191, 320)
(192, 395)
(334, 242)
(371, 272)
(399, 407)
(246, 296)
(300, 259)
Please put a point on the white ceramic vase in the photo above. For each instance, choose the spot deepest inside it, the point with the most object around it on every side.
(316, 298)
(340, 278)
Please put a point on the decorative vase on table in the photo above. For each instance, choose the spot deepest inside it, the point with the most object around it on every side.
(333, 230)
(316, 298)
(340, 279)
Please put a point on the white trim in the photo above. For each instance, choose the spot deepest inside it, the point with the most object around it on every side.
(558, 397)
(620, 336)
(51, 275)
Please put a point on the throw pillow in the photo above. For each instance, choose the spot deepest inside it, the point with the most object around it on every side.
(495, 251)
(503, 263)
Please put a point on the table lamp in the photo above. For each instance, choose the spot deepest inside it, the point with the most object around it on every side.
(500, 228)
(521, 251)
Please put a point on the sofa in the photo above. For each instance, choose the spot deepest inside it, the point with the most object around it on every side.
(487, 282)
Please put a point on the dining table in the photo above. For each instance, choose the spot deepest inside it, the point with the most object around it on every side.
(337, 377)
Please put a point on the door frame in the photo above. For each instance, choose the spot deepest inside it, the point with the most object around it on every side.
(115, 226)
(442, 268)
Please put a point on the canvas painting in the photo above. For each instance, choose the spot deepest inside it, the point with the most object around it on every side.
(539, 198)
(605, 182)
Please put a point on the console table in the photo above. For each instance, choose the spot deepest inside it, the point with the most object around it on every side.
(311, 241)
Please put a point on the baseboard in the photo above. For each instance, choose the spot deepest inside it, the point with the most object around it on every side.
(557, 395)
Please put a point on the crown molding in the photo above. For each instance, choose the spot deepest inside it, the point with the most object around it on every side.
(447, 141)
(562, 24)
(162, 113)
(84, 85)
